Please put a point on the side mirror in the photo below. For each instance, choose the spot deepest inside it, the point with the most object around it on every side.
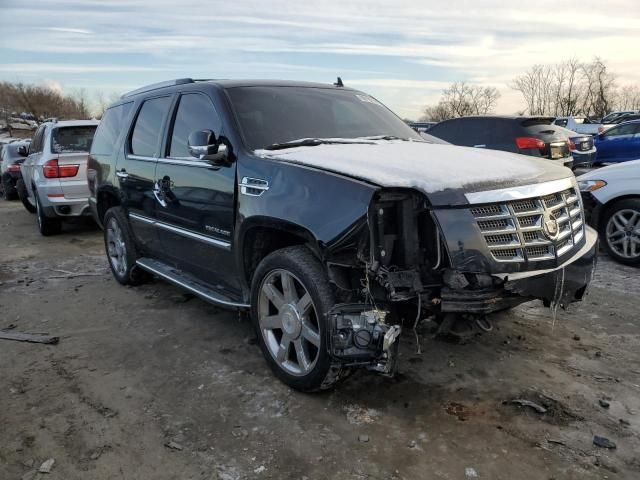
(23, 150)
(204, 145)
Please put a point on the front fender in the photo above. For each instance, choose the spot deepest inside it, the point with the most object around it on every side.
(324, 205)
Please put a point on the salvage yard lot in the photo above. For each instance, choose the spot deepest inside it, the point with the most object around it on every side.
(149, 383)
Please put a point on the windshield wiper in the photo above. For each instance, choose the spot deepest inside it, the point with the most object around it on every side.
(391, 137)
(312, 142)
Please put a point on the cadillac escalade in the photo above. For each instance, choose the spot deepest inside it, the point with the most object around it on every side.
(332, 222)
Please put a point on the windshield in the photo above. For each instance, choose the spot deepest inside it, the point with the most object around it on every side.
(276, 115)
(72, 139)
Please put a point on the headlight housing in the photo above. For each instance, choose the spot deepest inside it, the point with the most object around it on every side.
(590, 185)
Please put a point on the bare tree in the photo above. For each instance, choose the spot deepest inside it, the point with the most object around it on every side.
(462, 99)
(41, 101)
(599, 88)
(567, 88)
(628, 98)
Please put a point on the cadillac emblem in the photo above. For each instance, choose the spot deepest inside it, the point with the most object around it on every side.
(550, 226)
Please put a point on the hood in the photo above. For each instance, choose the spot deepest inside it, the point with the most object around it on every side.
(620, 171)
(442, 172)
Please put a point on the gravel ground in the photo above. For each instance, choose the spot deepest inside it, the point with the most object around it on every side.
(149, 383)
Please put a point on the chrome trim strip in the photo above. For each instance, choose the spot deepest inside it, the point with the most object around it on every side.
(181, 231)
(520, 193)
(195, 236)
(186, 286)
(141, 158)
(141, 218)
(186, 162)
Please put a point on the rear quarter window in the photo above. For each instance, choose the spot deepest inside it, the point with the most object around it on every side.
(106, 136)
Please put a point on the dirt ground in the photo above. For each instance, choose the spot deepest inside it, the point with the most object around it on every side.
(149, 383)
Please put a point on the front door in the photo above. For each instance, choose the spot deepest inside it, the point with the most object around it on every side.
(196, 210)
(612, 144)
(136, 171)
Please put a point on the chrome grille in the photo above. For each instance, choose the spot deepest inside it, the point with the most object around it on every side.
(514, 230)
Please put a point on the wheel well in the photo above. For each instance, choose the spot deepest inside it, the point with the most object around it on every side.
(261, 241)
(106, 200)
(607, 206)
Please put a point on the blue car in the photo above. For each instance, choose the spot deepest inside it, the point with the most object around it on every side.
(619, 144)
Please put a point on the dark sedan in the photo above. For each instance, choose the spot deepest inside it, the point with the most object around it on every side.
(10, 160)
(534, 136)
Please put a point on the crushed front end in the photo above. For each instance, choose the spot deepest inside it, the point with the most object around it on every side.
(455, 263)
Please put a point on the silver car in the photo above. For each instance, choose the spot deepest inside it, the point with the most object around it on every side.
(54, 174)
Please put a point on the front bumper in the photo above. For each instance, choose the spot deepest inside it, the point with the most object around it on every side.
(561, 285)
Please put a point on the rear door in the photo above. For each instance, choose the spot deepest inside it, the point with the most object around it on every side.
(196, 210)
(136, 171)
(630, 150)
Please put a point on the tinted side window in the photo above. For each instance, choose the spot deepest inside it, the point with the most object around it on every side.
(146, 133)
(449, 131)
(195, 112)
(561, 122)
(109, 129)
(628, 129)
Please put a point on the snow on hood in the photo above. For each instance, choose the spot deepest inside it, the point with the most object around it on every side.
(424, 166)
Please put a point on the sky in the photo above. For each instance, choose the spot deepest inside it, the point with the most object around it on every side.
(403, 52)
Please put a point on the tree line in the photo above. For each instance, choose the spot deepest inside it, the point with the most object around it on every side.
(567, 88)
(45, 102)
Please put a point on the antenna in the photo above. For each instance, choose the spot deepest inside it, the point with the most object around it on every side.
(339, 83)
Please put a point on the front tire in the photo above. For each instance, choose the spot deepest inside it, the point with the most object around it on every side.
(620, 231)
(290, 300)
(121, 248)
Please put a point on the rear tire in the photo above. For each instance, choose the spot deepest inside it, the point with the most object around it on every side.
(121, 249)
(46, 225)
(290, 300)
(620, 231)
(23, 195)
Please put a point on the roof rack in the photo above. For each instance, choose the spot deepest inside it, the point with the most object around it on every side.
(168, 83)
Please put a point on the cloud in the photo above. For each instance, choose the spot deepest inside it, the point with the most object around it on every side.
(70, 30)
(78, 68)
(404, 51)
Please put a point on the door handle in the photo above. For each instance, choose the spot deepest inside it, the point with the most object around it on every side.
(122, 174)
(159, 194)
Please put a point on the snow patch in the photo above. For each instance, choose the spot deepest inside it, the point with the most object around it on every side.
(425, 166)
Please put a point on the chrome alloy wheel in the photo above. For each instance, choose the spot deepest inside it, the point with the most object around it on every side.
(289, 322)
(116, 248)
(623, 233)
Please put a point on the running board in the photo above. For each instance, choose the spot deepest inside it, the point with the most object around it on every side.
(187, 282)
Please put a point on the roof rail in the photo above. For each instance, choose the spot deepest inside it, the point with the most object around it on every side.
(155, 86)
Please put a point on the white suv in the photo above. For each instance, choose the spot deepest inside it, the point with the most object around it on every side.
(54, 175)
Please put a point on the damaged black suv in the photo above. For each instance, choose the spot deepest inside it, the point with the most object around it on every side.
(320, 211)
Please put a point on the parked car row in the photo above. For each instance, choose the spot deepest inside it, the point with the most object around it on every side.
(590, 143)
(611, 196)
(320, 212)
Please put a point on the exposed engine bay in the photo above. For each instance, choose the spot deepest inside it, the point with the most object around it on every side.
(402, 274)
